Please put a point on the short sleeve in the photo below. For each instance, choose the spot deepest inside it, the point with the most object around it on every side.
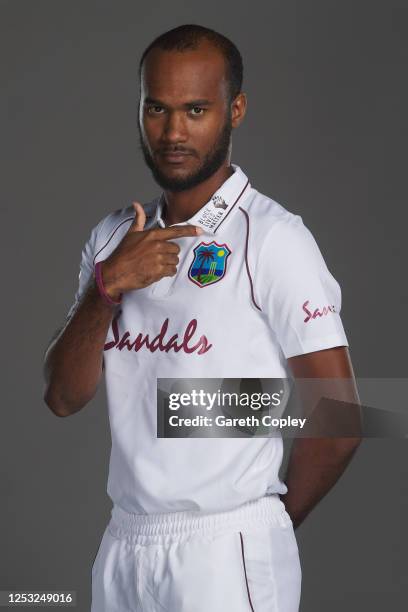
(85, 268)
(299, 296)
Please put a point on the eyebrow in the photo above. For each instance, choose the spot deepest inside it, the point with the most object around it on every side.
(199, 102)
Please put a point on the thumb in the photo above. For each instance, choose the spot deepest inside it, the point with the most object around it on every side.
(139, 221)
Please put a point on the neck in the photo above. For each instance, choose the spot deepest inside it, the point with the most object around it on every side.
(182, 205)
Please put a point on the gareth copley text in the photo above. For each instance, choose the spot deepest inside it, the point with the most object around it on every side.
(222, 421)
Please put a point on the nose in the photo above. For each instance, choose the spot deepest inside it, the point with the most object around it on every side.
(175, 129)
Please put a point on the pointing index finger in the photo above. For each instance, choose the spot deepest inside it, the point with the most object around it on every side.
(178, 231)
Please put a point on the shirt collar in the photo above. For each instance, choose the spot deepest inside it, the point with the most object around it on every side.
(222, 204)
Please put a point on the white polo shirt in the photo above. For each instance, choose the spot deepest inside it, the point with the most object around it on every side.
(249, 292)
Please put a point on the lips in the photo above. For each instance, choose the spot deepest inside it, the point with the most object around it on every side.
(174, 157)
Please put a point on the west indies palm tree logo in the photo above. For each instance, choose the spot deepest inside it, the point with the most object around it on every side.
(209, 263)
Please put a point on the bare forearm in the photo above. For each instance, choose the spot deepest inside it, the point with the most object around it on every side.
(315, 465)
(73, 363)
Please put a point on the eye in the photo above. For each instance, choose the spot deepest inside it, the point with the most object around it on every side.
(196, 111)
(155, 109)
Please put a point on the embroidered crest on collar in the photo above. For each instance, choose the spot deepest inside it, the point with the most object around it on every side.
(219, 202)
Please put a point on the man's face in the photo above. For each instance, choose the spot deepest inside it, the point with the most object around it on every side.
(184, 115)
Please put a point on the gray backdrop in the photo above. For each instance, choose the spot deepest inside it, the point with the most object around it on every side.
(325, 136)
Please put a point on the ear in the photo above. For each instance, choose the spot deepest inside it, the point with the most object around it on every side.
(238, 109)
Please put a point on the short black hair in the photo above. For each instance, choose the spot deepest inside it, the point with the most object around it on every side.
(189, 36)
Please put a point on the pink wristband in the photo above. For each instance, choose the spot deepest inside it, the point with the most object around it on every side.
(99, 282)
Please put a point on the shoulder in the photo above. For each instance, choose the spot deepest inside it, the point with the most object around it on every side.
(272, 227)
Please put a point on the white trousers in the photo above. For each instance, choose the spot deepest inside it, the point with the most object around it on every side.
(243, 560)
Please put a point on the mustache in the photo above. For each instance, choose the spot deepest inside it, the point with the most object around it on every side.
(165, 150)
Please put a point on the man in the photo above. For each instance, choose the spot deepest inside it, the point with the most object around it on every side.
(199, 524)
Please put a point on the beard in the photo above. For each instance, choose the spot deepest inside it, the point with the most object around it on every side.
(212, 162)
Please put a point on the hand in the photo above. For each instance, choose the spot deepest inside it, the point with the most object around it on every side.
(143, 256)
